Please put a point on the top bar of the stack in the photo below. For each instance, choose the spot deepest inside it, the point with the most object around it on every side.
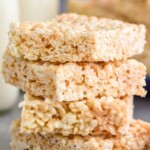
(75, 38)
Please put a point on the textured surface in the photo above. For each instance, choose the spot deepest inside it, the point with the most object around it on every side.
(138, 138)
(71, 37)
(142, 111)
(96, 116)
(76, 81)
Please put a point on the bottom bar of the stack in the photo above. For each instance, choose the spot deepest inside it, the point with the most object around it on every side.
(138, 138)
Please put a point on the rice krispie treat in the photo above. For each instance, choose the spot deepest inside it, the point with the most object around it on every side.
(95, 116)
(76, 81)
(74, 38)
(138, 138)
(133, 10)
(118, 9)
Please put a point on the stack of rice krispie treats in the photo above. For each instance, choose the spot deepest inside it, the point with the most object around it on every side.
(79, 84)
(135, 11)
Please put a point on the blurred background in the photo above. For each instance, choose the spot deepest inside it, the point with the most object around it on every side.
(41, 10)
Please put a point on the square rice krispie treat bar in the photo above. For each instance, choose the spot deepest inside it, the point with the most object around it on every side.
(138, 138)
(105, 115)
(75, 38)
(76, 81)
